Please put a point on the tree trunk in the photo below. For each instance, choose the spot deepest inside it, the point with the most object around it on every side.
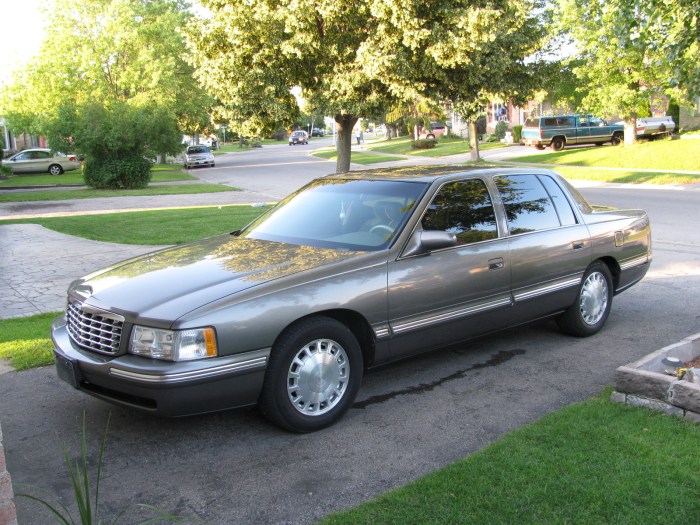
(345, 124)
(631, 128)
(473, 141)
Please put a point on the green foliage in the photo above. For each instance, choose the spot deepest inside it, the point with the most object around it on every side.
(26, 341)
(517, 133)
(125, 51)
(424, 144)
(125, 172)
(499, 133)
(355, 60)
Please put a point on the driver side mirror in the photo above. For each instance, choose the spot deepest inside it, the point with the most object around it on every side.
(426, 241)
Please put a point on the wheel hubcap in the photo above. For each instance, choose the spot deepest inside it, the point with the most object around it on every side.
(318, 377)
(594, 298)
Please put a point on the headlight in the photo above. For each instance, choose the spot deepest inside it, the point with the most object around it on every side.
(173, 345)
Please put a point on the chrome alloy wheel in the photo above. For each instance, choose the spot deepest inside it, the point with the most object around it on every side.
(318, 377)
(594, 298)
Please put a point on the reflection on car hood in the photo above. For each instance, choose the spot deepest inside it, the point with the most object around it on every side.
(169, 283)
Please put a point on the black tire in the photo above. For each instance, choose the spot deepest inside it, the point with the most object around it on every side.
(593, 302)
(430, 136)
(616, 139)
(55, 169)
(539, 146)
(315, 359)
(558, 143)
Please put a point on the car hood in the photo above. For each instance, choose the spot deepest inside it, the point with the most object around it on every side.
(165, 285)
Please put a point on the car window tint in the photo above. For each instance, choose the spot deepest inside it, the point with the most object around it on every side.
(463, 208)
(550, 122)
(527, 204)
(341, 214)
(564, 122)
(42, 155)
(561, 203)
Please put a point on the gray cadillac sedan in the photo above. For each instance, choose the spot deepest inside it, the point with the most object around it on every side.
(348, 273)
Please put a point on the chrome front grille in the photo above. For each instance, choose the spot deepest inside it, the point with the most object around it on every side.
(94, 329)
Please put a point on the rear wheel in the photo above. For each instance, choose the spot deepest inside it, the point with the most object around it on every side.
(558, 143)
(590, 311)
(55, 169)
(313, 376)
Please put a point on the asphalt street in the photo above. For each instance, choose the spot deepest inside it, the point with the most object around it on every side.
(410, 418)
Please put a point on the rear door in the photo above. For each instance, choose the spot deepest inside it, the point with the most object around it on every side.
(549, 245)
(454, 293)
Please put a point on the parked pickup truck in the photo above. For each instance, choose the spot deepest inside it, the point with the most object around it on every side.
(563, 130)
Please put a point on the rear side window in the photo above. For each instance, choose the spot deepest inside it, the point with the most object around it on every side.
(528, 206)
(550, 122)
(564, 122)
(561, 203)
(465, 209)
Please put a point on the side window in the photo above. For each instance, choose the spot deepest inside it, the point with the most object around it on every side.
(39, 155)
(465, 209)
(550, 122)
(527, 204)
(561, 203)
(564, 122)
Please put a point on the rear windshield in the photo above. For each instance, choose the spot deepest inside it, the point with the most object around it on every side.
(532, 123)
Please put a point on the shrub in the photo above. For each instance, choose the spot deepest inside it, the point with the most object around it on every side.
(5, 172)
(499, 133)
(118, 173)
(424, 144)
(517, 133)
(280, 134)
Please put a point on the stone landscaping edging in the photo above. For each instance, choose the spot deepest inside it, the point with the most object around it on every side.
(8, 512)
(644, 383)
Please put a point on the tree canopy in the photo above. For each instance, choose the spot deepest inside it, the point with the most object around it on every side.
(630, 52)
(357, 59)
(109, 52)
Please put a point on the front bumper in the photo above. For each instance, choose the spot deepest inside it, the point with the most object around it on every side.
(161, 387)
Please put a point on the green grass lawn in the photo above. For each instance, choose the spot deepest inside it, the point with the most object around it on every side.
(26, 341)
(444, 147)
(661, 155)
(63, 194)
(160, 173)
(589, 464)
(151, 227)
(625, 176)
(357, 157)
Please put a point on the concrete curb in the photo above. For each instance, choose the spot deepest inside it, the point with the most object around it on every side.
(8, 512)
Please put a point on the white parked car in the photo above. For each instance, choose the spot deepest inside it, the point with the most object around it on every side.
(199, 155)
(41, 160)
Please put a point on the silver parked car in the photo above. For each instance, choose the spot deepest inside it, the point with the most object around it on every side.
(199, 155)
(350, 272)
(41, 160)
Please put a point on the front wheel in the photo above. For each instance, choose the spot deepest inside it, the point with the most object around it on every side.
(55, 169)
(313, 376)
(616, 139)
(590, 311)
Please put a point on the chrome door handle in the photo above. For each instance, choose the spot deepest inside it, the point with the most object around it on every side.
(496, 264)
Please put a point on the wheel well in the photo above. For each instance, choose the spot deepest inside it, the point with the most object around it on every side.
(614, 268)
(562, 137)
(357, 324)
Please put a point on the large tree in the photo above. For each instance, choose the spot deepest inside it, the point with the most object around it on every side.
(354, 59)
(110, 52)
(631, 51)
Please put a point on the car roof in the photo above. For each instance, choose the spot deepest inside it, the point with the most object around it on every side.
(431, 173)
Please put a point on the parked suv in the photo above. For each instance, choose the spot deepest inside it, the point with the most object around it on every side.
(298, 137)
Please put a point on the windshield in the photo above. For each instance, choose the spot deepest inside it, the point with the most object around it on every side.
(356, 215)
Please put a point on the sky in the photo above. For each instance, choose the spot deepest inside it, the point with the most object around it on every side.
(21, 33)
